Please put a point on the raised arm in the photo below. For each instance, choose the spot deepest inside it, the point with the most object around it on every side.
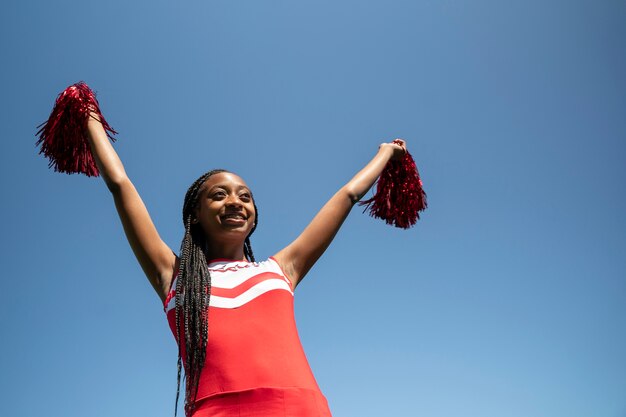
(299, 256)
(156, 259)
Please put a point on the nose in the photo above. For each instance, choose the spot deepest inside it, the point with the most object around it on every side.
(233, 200)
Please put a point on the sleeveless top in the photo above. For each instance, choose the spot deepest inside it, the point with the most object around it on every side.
(253, 343)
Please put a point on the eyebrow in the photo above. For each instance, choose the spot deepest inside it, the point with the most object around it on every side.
(238, 187)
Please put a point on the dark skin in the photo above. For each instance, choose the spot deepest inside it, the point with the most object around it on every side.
(226, 213)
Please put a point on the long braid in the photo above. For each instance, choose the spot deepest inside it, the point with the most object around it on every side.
(247, 247)
(184, 256)
(193, 292)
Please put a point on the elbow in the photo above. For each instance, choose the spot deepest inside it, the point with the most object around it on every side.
(351, 193)
(114, 177)
(115, 183)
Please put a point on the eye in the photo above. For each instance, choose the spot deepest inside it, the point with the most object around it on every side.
(218, 195)
(245, 197)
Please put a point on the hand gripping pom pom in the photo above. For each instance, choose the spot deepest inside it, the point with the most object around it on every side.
(399, 194)
(63, 138)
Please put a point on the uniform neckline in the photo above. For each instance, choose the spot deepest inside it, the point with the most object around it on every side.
(225, 260)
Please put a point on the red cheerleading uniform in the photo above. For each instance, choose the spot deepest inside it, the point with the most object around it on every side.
(255, 364)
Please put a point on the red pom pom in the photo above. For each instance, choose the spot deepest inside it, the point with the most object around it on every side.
(63, 138)
(399, 194)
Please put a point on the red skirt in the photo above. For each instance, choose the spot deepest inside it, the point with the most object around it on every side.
(264, 402)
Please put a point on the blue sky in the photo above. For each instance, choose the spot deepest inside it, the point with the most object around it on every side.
(507, 299)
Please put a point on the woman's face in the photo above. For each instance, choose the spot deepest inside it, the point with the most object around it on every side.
(225, 208)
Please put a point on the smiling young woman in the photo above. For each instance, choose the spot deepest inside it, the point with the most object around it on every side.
(231, 315)
(226, 213)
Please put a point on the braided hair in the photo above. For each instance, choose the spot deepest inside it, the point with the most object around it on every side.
(193, 292)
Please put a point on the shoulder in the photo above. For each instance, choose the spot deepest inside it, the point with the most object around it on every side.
(283, 266)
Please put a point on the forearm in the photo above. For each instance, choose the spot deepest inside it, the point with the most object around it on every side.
(109, 163)
(299, 256)
(155, 257)
(365, 178)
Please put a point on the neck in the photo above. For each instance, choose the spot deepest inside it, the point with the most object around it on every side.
(226, 251)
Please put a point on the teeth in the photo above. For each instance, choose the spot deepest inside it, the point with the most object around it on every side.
(233, 216)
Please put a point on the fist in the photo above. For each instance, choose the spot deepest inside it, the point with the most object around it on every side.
(398, 146)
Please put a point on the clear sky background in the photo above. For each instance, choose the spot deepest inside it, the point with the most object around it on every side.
(507, 299)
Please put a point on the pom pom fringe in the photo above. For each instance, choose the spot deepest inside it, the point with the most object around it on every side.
(63, 138)
(399, 194)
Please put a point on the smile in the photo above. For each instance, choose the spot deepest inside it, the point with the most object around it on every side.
(234, 215)
(233, 218)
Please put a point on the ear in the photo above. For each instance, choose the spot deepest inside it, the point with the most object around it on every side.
(195, 215)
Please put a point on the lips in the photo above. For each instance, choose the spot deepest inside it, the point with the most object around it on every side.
(234, 216)
(234, 219)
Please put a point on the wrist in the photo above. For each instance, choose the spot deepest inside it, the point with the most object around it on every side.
(385, 149)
